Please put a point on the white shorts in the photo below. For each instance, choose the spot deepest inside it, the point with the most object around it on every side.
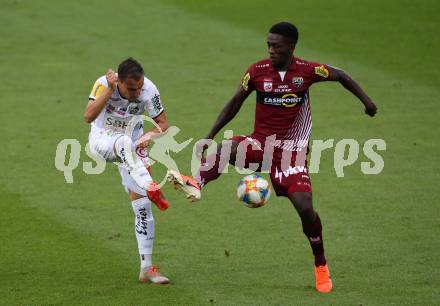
(103, 145)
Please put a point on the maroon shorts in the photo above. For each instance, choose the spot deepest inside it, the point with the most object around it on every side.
(287, 173)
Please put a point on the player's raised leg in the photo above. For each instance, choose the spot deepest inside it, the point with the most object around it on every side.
(119, 147)
(312, 228)
(188, 185)
(124, 149)
(144, 231)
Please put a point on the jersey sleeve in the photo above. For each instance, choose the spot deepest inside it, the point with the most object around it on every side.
(98, 87)
(154, 105)
(319, 72)
(247, 81)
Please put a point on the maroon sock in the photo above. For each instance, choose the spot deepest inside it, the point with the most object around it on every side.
(205, 176)
(313, 232)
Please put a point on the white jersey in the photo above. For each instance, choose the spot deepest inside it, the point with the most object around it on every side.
(118, 112)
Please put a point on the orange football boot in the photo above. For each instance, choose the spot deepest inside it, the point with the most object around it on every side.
(323, 281)
(156, 196)
(186, 184)
(153, 276)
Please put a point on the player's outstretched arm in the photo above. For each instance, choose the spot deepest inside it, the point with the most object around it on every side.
(229, 111)
(340, 76)
(94, 107)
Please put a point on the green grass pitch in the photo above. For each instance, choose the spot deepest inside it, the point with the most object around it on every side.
(73, 244)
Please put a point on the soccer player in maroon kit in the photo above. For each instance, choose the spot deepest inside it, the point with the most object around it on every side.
(282, 127)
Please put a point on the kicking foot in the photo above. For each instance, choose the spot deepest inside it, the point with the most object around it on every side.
(151, 275)
(156, 196)
(186, 184)
(323, 281)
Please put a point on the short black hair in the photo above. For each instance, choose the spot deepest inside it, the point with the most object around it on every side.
(285, 29)
(130, 68)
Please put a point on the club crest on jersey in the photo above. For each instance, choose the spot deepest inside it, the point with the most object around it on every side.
(267, 85)
(298, 81)
(133, 109)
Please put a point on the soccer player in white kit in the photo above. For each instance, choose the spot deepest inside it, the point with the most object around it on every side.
(114, 110)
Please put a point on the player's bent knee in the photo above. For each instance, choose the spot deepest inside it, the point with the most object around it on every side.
(123, 141)
(301, 198)
(307, 215)
(122, 146)
(302, 201)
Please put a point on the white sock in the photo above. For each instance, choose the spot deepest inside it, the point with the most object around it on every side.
(136, 168)
(145, 261)
(144, 229)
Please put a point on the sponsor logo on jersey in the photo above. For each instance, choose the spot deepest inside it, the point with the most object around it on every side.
(156, 103)
(121, 110)
(287, 100)
(298, 81)
(282, 88)
(267, 86)
(281, 99)
(245, 81)
(115, 123)
(262, 65)
(321, 71)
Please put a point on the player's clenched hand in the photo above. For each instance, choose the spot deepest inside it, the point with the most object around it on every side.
(112, 79)
(144, 141)
(371, 109)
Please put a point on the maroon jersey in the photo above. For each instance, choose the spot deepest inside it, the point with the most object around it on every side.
(283, 103)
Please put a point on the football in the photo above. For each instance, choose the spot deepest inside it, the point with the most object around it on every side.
(253, 190)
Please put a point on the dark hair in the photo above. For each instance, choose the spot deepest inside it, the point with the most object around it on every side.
(130, 68)
(285, 29)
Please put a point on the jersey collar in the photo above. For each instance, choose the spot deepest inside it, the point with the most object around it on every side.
(292, 65)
